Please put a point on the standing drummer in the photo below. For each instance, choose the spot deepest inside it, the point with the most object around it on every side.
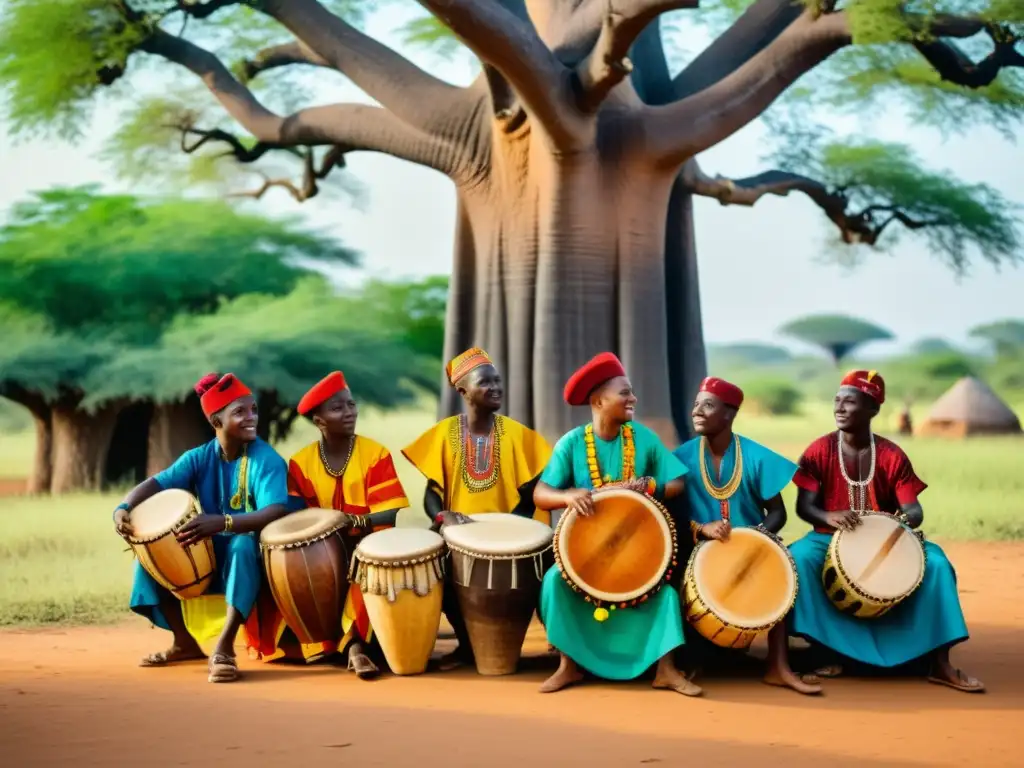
(476, 463)
(241, 485)
(611, 449)
(841, 475)
(740, 486)
(353, 474)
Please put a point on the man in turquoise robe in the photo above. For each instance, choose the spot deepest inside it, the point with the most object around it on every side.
(626, 642)
(737, 484)
(236, 473)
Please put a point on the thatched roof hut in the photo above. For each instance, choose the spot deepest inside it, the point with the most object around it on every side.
(969, 407)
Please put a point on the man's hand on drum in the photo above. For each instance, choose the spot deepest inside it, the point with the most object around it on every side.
(121, 525)
(202, 527)
(846, 520)
(718, 530)
(454, 518)
(580, 501)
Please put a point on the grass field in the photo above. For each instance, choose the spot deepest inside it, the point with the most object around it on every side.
(61, 562)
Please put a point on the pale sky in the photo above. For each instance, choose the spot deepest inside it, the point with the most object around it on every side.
(757, 265)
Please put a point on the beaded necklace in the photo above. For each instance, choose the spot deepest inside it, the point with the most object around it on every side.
(327, 465)
(722, 493)
(857, 489)
(479, 458)
(628, 456)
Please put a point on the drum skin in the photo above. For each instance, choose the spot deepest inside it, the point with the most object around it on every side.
(306, 568)
(186, 572)
(847, 591)
(751, 579)
(622, 554)
(498, 598)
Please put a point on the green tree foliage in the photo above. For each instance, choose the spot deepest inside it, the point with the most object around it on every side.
(775, 395)
(838, 335)
(721, 356)
(1005, 336)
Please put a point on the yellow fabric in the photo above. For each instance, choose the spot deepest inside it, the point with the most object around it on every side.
(366, 454)
(522, 455)
(204, 619)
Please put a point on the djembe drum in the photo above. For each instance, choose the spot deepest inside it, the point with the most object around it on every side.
(498, 563)
(306, 560)
(185, 571)
(871, 569)
(621, 555)
(737, 589)
(401, 574)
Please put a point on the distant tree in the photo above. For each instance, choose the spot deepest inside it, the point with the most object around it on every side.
(415, 309)
(1005, 336)
(838, 335)
(746, 354)
(932, 346)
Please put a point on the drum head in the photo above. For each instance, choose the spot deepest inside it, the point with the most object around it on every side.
(304, 525)
(748, 581)
(158, 514)
(499, 534)
(621, 551)
(397, 544)
(885, 577)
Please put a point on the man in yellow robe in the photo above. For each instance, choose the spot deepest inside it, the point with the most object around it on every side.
(478, 462)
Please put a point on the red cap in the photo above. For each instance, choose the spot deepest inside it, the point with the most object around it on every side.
(868, 382)
(728, 393)
(590, 376)
(321, 392)
(216, 392)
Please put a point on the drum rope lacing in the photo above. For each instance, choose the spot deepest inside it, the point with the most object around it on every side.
(857, 489)
(361, 564)
(304, 542)
(469, 558)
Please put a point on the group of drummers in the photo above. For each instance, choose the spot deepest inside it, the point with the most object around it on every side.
(631, 555)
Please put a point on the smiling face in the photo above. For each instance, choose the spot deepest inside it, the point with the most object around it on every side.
(482, 389)
(615, 400)
(710, 415)
(853, 410)
(238, 420)
(336, 416)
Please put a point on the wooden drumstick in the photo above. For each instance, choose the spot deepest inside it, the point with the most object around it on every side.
(881, 554)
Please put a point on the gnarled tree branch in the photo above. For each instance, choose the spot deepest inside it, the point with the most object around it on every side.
(955, 66)
(312, 173)
(277, 56)
(607, 64)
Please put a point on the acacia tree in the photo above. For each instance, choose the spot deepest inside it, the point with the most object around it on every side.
(837, 335)
(573, 153)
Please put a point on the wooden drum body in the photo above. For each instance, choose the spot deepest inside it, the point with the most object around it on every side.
(186, 571)
(737, 589)
(401, 574)
(622, 554)
(306, 560)
(870, 570)
(498, 563)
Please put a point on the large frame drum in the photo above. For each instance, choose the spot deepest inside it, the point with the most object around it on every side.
(401, 574)
(871, 569)
(185, 571)
(621, 555)
(498, 563)
(306, 559)
(738, 589)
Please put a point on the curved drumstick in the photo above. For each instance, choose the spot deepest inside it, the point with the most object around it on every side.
(881, 554)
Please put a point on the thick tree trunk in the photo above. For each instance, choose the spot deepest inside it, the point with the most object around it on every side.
(80, 443)
(127, 457)
(42, 467)
(174, 429)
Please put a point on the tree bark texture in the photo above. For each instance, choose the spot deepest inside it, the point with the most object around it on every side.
(42, 465)
(174, 429)
(80, 443)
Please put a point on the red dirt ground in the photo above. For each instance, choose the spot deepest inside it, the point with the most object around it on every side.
(75, 696)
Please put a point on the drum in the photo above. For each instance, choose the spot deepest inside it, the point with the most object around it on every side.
(401, 574)
(306, 560)
(185, 571)
(621, 555)
(498, 564)
(737, 589)
(870, 570)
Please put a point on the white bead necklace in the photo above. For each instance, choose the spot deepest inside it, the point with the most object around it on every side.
(857, 489)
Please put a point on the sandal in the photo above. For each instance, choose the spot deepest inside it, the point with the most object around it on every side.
(829, 671)
(223, 668)
(963, 683)
(174, 656)
(361, 664)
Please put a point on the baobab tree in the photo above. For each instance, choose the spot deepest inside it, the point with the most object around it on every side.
(573, 154)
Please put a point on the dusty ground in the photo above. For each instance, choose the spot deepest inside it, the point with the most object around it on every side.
(75, 696)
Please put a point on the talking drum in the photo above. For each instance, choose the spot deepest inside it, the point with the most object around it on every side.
(401, 574)
(185, 571)
(871, 569)
(737, 589)
(306, 561)
(619, 556)
(498, 563)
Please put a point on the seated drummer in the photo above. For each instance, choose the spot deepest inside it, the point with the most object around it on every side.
(751, 496)
(353, 474)
(241, 485)
(839, 476)
(476, 463)
(612, 449)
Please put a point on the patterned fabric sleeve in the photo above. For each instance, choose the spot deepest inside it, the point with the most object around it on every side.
(301, 493)
(558, 472)
(384, 490)
(183, 474)
(811, 468)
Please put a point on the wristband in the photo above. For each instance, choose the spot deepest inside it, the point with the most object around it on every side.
(228, 523)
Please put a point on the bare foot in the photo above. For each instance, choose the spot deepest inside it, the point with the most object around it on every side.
(673, 680)
(950, 676)
(563, 678)
(173, 655)
(806, 685)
